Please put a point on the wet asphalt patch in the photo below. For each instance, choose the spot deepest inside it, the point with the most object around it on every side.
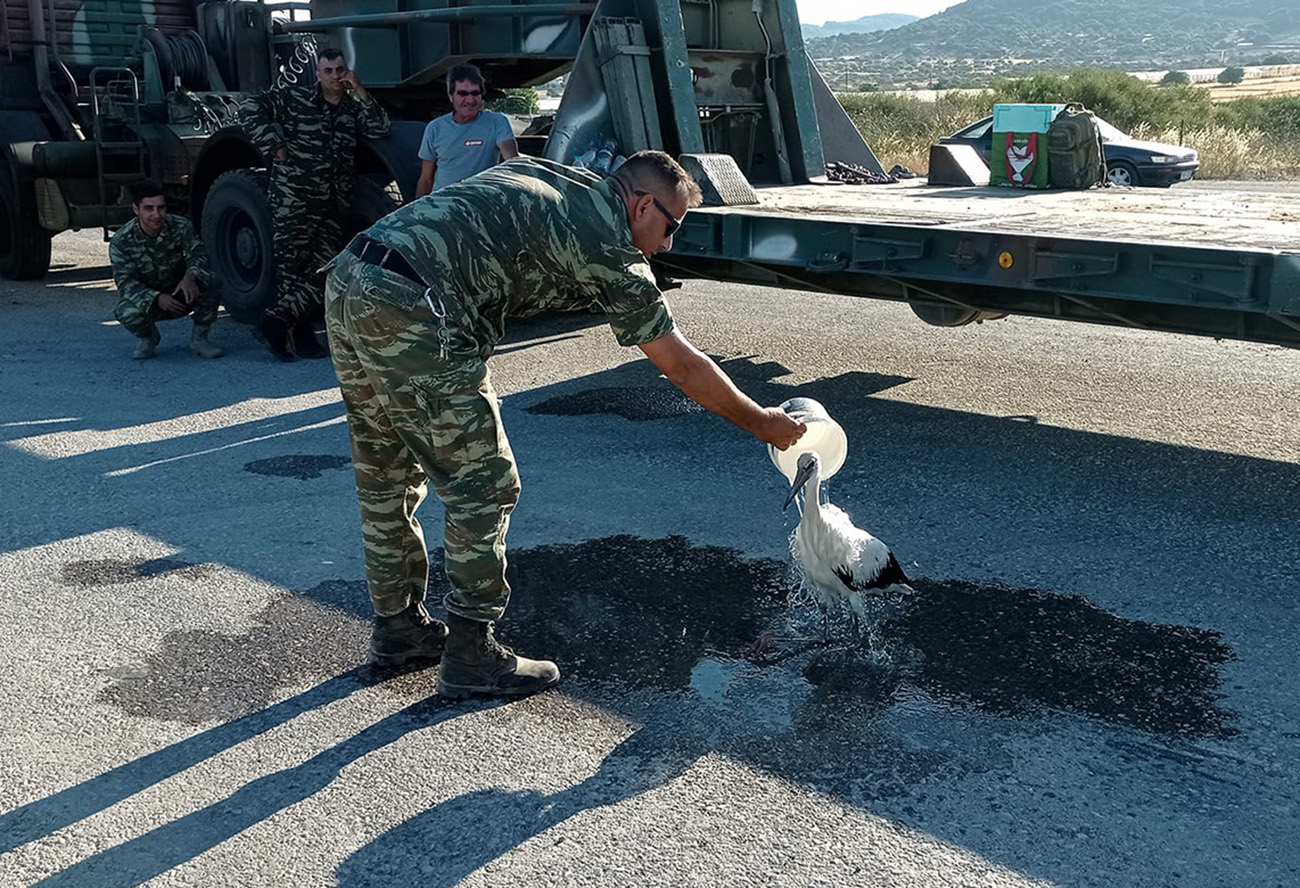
(198, 676)
(655, 398)
(1009, 650)
(303, 466)
(114, 571)
(630, 402)
(664, 616)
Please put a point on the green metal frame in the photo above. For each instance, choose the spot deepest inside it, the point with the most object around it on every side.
(1234, 293)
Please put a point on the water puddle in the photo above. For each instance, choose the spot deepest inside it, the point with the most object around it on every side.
(303, 466)
(656, 398)
(673, 621)
(1009, 650)
(115, 571)
(634, 403)
(198, 676)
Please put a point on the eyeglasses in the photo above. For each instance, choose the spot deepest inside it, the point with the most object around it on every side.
(466, 93)
(673, 222)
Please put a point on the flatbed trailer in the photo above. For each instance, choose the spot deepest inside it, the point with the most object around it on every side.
(1203, 261)
(92, 98)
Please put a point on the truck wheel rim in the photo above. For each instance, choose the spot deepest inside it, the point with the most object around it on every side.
(248, 252)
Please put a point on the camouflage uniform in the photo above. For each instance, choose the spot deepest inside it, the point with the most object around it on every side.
(520, 238)
(312, 189)
(145, 266)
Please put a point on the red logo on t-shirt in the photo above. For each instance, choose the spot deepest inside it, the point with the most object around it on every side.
(473, 143)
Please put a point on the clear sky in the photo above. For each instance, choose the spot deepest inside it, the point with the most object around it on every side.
(818, 12)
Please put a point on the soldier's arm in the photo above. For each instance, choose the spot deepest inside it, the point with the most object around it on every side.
(129, 287)
(196, 258)
(372, 117)
(706, 384)
(260, 116)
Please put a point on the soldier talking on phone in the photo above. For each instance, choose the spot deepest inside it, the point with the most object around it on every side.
(311, 137)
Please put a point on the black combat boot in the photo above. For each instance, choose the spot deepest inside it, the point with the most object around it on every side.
(275, 333)
(409, 635)
(476, 663)
(305, 342)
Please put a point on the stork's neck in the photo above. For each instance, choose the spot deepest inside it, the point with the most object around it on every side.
(812, 497)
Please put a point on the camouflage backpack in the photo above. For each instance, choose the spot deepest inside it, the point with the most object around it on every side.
(1074, 154)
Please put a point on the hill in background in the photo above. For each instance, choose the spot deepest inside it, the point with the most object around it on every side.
(864, 25)
(980, 38)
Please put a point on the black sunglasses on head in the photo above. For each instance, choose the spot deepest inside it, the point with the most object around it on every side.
(673, 222)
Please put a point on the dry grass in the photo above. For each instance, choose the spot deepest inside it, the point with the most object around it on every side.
(1257, 87)
(901, 130)
(1227, 153)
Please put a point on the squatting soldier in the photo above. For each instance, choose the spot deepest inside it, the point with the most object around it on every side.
(413, 309)
(162, 273)
(312, 136)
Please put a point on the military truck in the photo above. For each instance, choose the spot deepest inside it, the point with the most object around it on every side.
(96, 93)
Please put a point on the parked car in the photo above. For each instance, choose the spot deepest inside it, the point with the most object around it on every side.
(1129, 161)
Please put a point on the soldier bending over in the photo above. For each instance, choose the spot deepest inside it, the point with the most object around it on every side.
(414, 307)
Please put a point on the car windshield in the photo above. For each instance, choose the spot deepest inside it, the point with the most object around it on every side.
(1110, 133)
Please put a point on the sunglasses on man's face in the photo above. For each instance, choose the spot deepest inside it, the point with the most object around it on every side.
(673, 222)
(466, 93)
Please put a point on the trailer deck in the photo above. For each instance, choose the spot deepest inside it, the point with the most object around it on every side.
(1193, 260)
(1255, 219)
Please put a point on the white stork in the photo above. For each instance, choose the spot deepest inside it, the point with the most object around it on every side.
(839, 562)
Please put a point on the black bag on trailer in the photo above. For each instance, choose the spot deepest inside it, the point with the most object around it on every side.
(1074, 153)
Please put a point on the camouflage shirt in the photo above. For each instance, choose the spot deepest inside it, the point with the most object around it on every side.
(522, 237)
(144, 266)
(321, 137)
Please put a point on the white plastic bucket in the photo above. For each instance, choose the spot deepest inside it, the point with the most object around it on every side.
(824, 437)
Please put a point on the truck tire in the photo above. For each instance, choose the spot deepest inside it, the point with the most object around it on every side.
(953, 315)
(373, 198)
(237, 232)
(24, 245)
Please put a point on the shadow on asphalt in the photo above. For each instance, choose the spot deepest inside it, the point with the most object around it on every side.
(658, 629)
(73, 274)
(52, 813)
(172, 844)
(447, 843)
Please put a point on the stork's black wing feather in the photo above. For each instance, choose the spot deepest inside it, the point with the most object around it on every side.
(889, 575)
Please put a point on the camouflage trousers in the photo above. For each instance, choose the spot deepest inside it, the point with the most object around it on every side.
(142, 320)
(306, 234)
(417, 419)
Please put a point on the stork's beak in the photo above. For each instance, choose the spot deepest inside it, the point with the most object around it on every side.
(800, 479)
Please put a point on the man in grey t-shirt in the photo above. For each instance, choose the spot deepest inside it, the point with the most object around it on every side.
(466, 141)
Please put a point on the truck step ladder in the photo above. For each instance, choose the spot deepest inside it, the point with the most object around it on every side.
(115, 111)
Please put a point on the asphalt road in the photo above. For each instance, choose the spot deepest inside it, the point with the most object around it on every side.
(1094, 685)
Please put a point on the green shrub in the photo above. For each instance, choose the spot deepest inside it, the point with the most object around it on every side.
(1115, 96)
(1231, 75)
(1175, 78)
(1276, 116)
(1249, 138)
(522, 100)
